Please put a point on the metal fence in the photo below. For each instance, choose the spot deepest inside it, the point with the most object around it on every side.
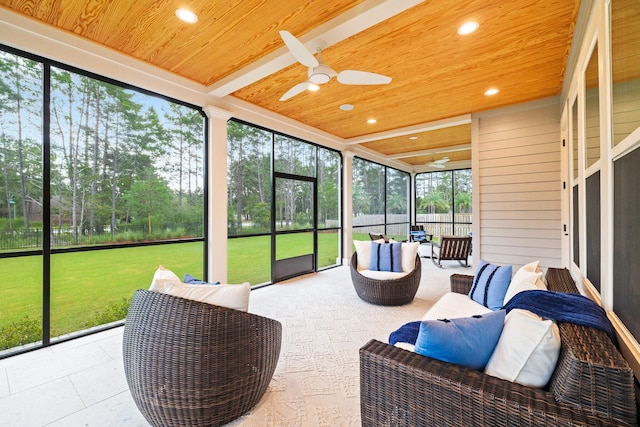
(33, 238)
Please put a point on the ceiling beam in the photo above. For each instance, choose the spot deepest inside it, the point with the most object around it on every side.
(359, 18)
(453, 148)
(423, 127)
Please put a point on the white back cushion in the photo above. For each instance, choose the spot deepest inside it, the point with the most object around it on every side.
(162, 273)
(409, 252)
(363, 248)
(231, 296)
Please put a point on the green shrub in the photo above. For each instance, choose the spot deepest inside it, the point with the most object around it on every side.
(111, 313)
(23, 331)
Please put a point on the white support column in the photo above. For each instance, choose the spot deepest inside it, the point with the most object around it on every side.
(217, 188)
(347, 206)
(412, 196)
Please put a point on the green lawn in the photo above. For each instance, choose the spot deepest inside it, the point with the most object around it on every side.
(85, 284)
(89, 286)
(249, 258)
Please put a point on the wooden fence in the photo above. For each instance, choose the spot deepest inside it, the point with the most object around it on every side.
(435, 224)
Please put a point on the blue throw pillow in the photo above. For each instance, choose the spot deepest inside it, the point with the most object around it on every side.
(190, 280)
(490, 284)
(386, 257)
(466, 341)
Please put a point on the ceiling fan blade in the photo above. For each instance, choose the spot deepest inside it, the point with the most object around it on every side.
(442, 160)
(436, 165)
(299, 88)
(298, 50)
(354, 77)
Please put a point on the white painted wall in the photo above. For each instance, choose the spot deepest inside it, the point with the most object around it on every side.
(517, 184)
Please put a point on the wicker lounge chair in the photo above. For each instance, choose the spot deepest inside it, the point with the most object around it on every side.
(386, 292)
(189, 363)
(451, 248)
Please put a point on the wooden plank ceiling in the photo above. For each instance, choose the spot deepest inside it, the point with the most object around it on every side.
(520, 48)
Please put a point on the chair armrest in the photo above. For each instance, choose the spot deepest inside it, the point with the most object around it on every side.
(461, 283)
(399, 387)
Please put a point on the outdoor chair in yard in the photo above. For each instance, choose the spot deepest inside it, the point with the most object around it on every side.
(418, 234)
(451, 248)
(190, 363)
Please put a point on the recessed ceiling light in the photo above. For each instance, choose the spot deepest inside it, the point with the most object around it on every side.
(346, 107)
(468, 28)
(313, 87)
(413, 137)
(491, 91)
(187, 16)
(371, 121)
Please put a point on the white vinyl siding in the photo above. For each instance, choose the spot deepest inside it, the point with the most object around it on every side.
(519, 184)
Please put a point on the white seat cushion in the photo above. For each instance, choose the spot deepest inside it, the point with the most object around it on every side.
(453, 305)
(382, 275)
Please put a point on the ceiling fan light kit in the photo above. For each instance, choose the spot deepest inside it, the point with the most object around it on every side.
(320, 73)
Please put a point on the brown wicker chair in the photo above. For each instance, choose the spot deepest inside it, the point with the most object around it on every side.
(386, 292)
(451, 248)
(592, 384)
(189, 363)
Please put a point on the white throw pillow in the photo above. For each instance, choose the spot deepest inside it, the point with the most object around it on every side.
(162, 273)
(363, 248)
(409, 252)
(526, 269)
(527, 278)
(231, 296)
(527, 351)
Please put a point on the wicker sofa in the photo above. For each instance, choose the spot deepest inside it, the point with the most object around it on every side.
(592, 384)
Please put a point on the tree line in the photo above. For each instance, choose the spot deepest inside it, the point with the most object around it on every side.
(444, 192)
(117, 158)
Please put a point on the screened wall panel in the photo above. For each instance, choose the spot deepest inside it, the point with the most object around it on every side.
(576, 225)
(593, 217)
(249, 151)
(626, 241)
(625, 67)
(380, 200)
(444, 202)
(272, 181)
(100, 185)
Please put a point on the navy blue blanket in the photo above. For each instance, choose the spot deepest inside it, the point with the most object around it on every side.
(563, 307)
(406, 333)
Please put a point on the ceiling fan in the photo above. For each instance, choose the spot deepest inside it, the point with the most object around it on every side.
(319, 72)
(438, 163)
